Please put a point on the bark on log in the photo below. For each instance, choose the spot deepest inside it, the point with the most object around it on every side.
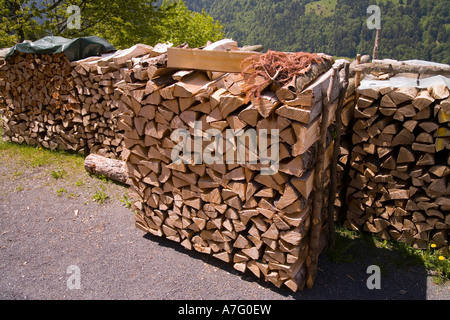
(302, 81)
(112, 169)
(401, 67)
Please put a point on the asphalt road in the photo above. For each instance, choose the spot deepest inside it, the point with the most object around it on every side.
(42, 235)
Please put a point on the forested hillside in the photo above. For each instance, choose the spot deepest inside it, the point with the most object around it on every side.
(411, 29)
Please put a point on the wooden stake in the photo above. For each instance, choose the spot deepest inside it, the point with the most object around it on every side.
(357, 78)
(336, 152)
(319, 181)
(377, 44)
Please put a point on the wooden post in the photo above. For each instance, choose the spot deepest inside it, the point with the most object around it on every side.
(357, 78)
(377, 44)
(319, 180)
(336, 151)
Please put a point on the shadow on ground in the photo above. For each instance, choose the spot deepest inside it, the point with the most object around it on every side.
(342, 274)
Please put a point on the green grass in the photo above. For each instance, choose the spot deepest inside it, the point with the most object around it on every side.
(17, 174)
(72, 195)
(126, 201)
(35, 157)
(60, 191)
(353, 245)
(59, 174)
(65, 167)
(100, 196)
(79, 183)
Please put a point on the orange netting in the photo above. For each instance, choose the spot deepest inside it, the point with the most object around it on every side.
(276, 66)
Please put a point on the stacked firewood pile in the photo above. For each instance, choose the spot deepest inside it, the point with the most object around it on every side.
(98, 113)
(264, 223)
(40, 105)
(95, 79)
(52, 103)
(400, 160)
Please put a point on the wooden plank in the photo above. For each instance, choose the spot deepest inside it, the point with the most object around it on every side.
(207, 60)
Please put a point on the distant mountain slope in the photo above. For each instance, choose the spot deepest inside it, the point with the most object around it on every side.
(411, 29)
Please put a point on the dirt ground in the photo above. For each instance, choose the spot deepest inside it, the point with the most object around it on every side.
(48, 225)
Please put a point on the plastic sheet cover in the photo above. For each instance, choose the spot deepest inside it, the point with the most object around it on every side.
(74, 49)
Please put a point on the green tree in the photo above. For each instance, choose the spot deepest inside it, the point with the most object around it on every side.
(18, 21)
(415, 29)
(123, 23)
(180, 25)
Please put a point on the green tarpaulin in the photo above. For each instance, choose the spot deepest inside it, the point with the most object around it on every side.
(74, 49)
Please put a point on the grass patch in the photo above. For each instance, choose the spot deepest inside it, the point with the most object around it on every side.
(100, 196)
(58, 174)
(17, 174)
(73, 196)
(352, 245)
(33, 157)
(60, 191)
(126, 201)
(79, 183)
(435, 260)
(37, 157)
(343, 251)
(68, 167)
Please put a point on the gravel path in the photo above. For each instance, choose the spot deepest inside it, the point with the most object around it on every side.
(43, 234)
